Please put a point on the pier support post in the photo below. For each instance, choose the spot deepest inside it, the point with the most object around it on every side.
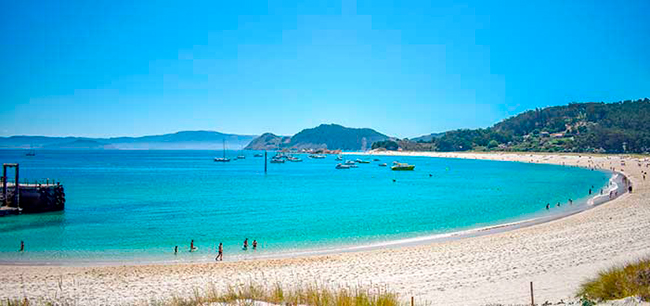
(264, 161)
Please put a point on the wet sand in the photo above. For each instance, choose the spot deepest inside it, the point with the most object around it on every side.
(557, 256)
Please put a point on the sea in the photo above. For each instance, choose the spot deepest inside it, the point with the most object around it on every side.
(138, 206)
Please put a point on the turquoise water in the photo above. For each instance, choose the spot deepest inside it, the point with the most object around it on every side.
(138, 205)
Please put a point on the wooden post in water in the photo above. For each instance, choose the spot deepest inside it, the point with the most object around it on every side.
(532, 298)
(265, 161)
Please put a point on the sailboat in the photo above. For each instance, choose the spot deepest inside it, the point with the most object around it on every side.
(222, 159)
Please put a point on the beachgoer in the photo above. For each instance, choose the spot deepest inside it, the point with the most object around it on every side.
(254, 244)
(192, 246)
(246, 244)
(220, 255)
(558, 204)
(394, 180)
(175, 250)
(570, 202)
(629, 189)
(589, 191)
(548, 205)
(22, 246)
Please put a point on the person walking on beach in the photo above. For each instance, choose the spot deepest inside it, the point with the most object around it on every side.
(220, 255)
(245, 244)
(254, 244)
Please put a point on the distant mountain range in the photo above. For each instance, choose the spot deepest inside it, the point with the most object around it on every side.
(186, 140)
(324, 136)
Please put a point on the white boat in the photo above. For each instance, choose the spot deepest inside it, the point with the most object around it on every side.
(241, 156)
(258, 155)
(361, 161)
(317, 156)
(339, 158)
(222, 159)
(277, 161)
(294, 159)
(402, 167)
(382, 165)
(342, 166)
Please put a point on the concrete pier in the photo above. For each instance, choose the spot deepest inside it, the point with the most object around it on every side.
(28, 198)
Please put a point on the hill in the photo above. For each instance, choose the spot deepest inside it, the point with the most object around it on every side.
(203, 140)
(621, 127)
(324, 136)
(268, 141)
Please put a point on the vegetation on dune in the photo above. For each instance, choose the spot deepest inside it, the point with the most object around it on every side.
(618, 283)
(622, 127)
(314, 294)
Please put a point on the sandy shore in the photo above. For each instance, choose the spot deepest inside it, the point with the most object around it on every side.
(557, 256)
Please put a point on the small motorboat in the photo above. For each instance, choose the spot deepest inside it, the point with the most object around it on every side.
(221, 159)
(339, 158)
(376, 159)
(277, 161)
(382, 165)
(342, 166)
(258, 155)
(361, 161)
(241, 156)
(317, 156)
(402, 167)
(294, 159)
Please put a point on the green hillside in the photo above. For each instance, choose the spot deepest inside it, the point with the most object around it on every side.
(622, 127)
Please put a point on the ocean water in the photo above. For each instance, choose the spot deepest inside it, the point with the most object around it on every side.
(137, 205)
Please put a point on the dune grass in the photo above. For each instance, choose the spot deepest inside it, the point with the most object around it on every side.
(619, 282)
(249, 294)
(312, 295)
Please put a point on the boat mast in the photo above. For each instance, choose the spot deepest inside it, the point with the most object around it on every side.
(224, 148)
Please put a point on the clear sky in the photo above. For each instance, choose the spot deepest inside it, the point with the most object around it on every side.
(404, 68)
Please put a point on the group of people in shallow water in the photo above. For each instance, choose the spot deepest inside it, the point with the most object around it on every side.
(220, 249)
(548, 205)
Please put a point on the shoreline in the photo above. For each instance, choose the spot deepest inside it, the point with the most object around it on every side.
(616, 179)
(557, 255)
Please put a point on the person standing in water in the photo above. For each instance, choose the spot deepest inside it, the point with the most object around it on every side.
(570, 202)
(175, 250)
(220, 255)
(254, 244)
(548, 205)
(245, 244)
(192, 246)
(22, 246)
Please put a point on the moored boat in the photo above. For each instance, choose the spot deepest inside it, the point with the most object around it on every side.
(317, 156)
(402, 166)
(222, 159)
(342, 166)
(277, 161)
(361, 161)
(382, 165)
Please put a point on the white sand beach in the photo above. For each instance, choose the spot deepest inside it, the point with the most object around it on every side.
(557, 256)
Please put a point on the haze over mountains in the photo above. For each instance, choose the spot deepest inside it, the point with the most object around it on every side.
(186, 140)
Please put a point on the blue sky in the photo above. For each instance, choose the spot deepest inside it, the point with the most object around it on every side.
(404, 68)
